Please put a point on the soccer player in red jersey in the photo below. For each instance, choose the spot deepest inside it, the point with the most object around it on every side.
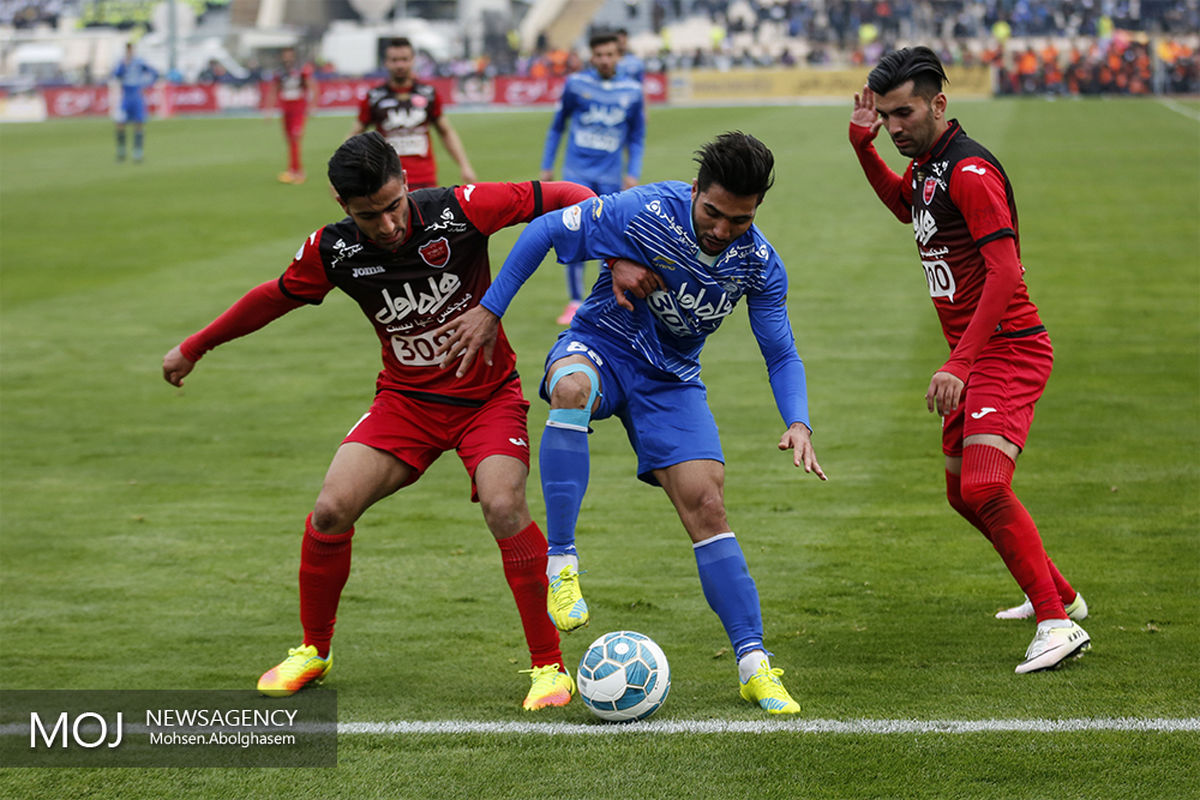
(411, 262)
(293, 88)
(403, 109)
(964, 217)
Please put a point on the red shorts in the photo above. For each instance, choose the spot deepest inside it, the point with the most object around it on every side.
(1006, 381)
(294, 116)
(418, 431)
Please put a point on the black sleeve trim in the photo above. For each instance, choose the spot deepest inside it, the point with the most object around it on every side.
(1000, 234)
(296, 297)
(537, 199)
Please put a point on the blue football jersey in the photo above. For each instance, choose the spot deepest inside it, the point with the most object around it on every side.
(134, 76)
(630, 66)
(606, 117)
(652, 225)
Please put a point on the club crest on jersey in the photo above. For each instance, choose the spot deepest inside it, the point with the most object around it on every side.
(435, 253)
(930, 187)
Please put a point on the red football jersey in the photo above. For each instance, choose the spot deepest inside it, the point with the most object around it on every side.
(961, 200)
(439, 272)
(404, 118)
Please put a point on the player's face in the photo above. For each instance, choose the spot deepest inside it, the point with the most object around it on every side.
(604, 59)
(719, 217)
(288, 57)
(398, 61)
(913, 122)
(383, 216)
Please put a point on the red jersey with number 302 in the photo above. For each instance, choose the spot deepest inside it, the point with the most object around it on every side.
(439, 272)
(961, 200)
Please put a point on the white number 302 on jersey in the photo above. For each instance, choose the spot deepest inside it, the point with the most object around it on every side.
(419, 350)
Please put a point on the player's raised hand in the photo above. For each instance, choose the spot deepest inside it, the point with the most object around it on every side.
(798, 439)
(945, 391)
(176, 367)
(630, 276)
(865, 115)
(465, 336)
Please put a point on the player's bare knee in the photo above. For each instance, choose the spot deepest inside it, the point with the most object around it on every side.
(707, 510)
(501, 510)
(332, 517)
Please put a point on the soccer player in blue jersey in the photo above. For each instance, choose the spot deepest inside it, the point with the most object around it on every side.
(633, 352)
(628, 65)
(134, 75)
(607, 119)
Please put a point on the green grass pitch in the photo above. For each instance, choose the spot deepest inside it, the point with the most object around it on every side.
(150, 536)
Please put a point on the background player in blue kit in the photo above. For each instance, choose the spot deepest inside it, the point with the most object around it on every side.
(134, 75)
(607, 118)
(628, 65)
(637, 358)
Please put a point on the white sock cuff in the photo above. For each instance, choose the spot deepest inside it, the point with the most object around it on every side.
(717, 538)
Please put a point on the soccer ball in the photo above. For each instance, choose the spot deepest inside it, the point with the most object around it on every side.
(624, 676)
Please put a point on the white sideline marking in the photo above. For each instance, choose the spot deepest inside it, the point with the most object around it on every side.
(814, 726)
(1180, 108)
(709, 726)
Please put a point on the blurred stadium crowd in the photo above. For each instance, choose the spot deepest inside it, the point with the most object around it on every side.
(1062, 47)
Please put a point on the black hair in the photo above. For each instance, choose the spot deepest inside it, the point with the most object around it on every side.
(741, 164)
(601, 38)
(362, 165)
(917, 64)
(398, 41)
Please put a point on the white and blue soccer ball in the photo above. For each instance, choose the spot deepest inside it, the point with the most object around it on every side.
(624, 676)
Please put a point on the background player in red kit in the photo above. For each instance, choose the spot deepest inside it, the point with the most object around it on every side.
(402, 109)
(412, 262)
(959, 200)
(294, 89)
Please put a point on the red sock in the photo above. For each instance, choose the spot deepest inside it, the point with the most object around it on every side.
(324, 567)
(954, 495)
(524, 557)
(294, 153)
(986, 487)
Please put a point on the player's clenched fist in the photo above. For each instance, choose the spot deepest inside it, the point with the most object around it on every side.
(176, 366)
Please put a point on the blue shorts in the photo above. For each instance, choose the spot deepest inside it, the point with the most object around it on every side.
(133, 109)
(597, 186)
(667, 420)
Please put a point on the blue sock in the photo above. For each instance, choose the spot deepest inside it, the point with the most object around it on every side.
(730, 591)
(564, 462)
(575, 281)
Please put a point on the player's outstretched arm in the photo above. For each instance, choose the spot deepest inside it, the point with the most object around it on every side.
(176, 366)
(798, 439)
(630, 276)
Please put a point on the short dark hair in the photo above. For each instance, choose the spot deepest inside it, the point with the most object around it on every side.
(917, 64)
(737, 161)
(362, 165)
(398, 41)
(601, 38)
